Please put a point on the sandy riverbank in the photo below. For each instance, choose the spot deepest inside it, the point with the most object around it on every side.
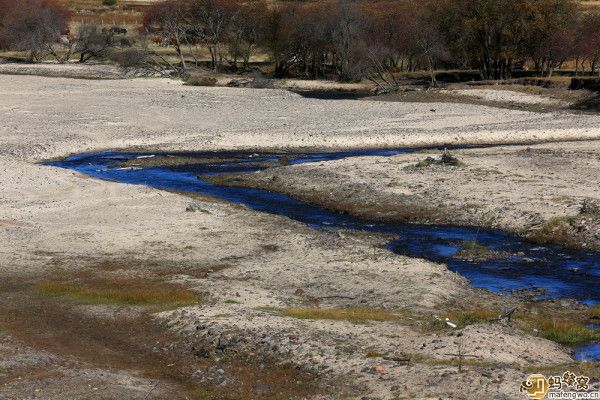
(55, 220)
(538, 191)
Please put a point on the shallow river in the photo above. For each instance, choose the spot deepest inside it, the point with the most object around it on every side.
(548, 271)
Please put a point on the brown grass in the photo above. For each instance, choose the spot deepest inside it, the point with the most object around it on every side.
(562, 331)
(118, 291)
(137, 342)
(594, 312)
(556, 230)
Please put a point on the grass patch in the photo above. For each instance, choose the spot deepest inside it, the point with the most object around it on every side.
(594, 312)
(568, 333)
(118, 291)
(564, 331)
(465, 318)
(472, 250)
(130, 343)
(444, 159)
(557, 230)
(356, 315)
(374, 354)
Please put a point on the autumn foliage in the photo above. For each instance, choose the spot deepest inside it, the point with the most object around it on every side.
(342, 39)
(32, 25)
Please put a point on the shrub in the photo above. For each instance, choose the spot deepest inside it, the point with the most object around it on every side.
(201, 80)
(109, 2)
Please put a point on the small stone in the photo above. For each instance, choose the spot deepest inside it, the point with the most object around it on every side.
(379, 369)
(262, 388)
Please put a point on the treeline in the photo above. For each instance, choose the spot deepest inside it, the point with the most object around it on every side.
(343, 39)
(354, 39)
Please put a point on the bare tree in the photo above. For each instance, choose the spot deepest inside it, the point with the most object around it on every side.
(34, 26)
(211, 21)
(171, 21)
(92, 42)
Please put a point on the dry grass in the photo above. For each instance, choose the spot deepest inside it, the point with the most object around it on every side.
(569, 329)
(557, 230)
(471, 250)
(594, 312)
(565, 332)
(356, 315)
(464, 318)
(118, 291)
(129, 342)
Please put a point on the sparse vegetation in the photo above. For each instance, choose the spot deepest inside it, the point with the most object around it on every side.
(556, 230)
(472, 250)
(464, 318)
(561, 331)
(594, 312)
(201, 80)
(118, 291)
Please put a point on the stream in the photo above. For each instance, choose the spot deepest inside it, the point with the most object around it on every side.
(546, 271)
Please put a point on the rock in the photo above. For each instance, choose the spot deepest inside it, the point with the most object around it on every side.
(196, 208)
(197, 374)
(590, 206)
(380, 369)
(262, 388)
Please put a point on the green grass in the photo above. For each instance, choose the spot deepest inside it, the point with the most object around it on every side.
(556, 230)
(471, 250)
(465, 318)
(562, 331)
(118, 291)
(356, 315)
(568, 333)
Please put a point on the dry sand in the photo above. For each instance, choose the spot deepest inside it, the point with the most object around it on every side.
(50, 216)
(535, 190)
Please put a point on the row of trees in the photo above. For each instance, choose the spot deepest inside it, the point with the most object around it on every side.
(313, 39)
(354, 38)
(41, 28)
(348, 39)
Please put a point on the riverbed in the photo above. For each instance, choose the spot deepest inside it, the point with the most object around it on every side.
(514, 265)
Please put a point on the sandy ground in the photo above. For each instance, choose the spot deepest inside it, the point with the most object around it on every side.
(508, 96)
(536, 190)
(79, 71)
(50, 216)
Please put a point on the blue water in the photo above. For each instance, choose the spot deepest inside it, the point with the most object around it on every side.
(550, 271)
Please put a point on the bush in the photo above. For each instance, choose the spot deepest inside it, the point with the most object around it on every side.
(201, 80)
(109, 2)
(130, 58)
(592, 84)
